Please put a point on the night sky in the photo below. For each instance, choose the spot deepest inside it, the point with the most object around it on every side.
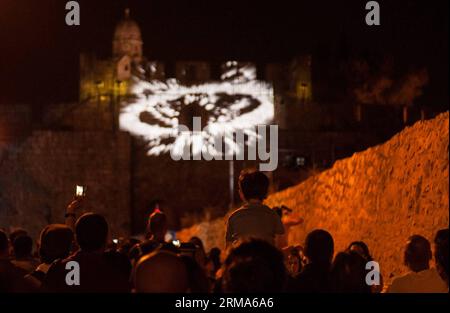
(39, 54)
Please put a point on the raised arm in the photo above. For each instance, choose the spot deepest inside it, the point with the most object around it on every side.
(71, 212)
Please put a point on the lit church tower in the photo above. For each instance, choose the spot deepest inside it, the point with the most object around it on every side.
(103, 79)
(127, 39)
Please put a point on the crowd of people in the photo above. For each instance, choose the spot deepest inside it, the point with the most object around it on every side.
(255, 259)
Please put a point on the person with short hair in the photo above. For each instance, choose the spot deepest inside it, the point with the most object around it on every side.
(213, 262)
(100, 270)
(161, 272)
(157, 226)
(315, 275)
(55, 243)
(23, 247)
(441, 249)
(348, 273)
(12, 236)
(254, 266)
(197, 279)
(156, 232)
(200, 254)
(421, 278)
(11, 276)
(253, 219)
(362, 249)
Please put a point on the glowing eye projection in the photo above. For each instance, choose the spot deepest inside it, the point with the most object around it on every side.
(238, 102)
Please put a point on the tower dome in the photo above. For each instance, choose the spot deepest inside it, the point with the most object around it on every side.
(127, 39)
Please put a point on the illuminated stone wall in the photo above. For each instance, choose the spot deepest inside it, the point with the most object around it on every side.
(15, 122)
(38, 178)
(381, 196)
(101, 77)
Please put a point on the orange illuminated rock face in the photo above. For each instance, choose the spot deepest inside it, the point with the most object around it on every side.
(381, 196)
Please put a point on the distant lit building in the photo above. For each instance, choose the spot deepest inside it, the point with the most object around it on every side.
(110, 77)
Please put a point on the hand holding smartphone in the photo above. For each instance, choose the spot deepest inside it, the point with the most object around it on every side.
(80, 191)
(75, 205)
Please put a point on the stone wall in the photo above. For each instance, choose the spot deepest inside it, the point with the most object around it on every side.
(381, 196)
(38, 178)
(15, 122)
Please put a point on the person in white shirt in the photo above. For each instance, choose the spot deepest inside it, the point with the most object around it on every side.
(421, 278)
(253, 219)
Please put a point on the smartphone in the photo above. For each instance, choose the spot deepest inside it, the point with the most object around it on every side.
(80, 191)
(176, 243)
(116, 241)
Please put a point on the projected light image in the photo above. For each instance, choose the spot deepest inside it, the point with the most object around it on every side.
(238, 102)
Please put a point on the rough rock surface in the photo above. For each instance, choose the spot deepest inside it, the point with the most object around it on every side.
(381, 196)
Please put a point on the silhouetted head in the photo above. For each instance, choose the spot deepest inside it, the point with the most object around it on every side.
(91, 232)
(56, 242)
(157, 225)
(22, 246)
(16, 233)
(120, 262)
(293, 261)
(197, 279)
(214, 259)
(441, 252)
(161, 272)
(417, 253)
(197, 241)
(319, 247)
(361, 248)
(253, 184)
(200, 254)
(4, 245)
(254, 266)
(348, 273)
